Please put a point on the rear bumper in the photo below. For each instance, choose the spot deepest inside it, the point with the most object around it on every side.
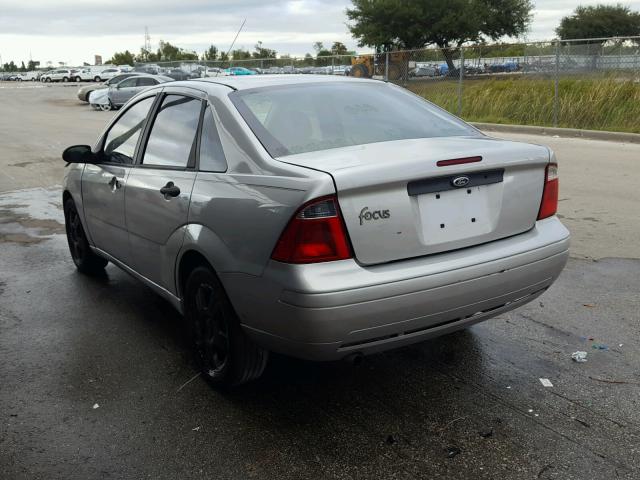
(328, 311)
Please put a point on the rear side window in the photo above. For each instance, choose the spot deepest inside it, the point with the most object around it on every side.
(173, 136)
(117, 78)
(129, 82)
(146, 82)
(294, 119)
(211, 154)
(120, 144)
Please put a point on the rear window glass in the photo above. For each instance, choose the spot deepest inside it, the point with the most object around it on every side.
(293, 119)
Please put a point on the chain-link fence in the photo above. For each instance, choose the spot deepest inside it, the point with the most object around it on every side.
(590, 84)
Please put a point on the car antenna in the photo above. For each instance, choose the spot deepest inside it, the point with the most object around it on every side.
(234, 40)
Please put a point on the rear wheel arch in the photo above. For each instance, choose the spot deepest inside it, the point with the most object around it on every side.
(216, 328)
(188, 262)
(66, 195)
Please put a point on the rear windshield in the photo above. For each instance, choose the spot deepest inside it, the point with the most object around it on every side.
(291, 119)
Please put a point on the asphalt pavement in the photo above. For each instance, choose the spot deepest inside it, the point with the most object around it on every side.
(96, 380)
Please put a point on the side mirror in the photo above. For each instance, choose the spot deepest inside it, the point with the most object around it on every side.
(78, 154)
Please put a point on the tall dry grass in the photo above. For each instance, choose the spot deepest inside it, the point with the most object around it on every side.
(594, 103)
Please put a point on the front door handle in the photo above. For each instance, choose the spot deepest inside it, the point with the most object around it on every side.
(170, 190)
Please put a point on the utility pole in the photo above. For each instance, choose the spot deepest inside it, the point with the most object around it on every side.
(147, 42)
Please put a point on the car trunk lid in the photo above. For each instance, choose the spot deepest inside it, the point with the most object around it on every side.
(398, 203)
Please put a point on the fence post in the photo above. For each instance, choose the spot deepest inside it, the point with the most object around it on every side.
(460, 80)
(333, 64)
(556, 99)
(386, 66)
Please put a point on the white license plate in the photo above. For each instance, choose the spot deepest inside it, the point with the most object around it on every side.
(459, 214)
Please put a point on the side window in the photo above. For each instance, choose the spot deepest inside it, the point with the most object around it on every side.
(120, 144)
(129, 82)
(211, 154)
(173, 136)
(145, 82)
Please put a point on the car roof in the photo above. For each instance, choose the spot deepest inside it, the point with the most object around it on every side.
(245, 82)
(160, 77)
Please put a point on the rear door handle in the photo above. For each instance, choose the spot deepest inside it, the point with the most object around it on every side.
(170, 190)
(114, 183)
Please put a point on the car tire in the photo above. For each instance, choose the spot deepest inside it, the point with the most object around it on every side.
(106, 107)
(47, 80)
(225, 355)
(360, 71)
(85, 259)
(78, 79)
(97, 79)
(65, 79)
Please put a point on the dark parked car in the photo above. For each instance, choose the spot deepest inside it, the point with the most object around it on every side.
(178, 74)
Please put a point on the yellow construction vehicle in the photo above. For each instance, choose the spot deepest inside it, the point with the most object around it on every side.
(366, 66)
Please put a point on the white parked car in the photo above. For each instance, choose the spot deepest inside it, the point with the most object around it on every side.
(58, 75)
(28, 76)
(82, 75)
(106, 74)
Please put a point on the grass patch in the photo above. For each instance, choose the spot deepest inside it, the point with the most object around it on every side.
(599, 103)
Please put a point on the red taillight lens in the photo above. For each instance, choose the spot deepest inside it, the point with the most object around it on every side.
(549, 203)
(316, 233)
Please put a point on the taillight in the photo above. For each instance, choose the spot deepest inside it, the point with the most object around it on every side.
(549, 203)
(316, 233)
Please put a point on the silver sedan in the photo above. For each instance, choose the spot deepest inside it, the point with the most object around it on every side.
(117, 94)
(319, 217)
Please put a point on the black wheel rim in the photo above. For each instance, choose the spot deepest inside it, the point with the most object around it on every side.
(212, 334)
(75, 235)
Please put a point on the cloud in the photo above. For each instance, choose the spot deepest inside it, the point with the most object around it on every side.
(74, 30)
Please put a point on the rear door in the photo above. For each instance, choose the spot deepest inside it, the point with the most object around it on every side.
(123, 91)
(159, 188)
(103, 183)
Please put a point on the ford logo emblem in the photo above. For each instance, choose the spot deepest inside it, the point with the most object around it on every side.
(460, 181)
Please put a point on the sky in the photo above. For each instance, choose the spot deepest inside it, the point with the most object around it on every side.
(73, 31)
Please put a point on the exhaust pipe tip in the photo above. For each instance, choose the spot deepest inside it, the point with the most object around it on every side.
(354, 359)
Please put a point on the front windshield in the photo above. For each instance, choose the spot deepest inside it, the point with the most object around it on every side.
(291, 119)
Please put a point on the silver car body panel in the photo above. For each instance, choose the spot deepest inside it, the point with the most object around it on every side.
(119, 95)
(374, 178)
(324, 311)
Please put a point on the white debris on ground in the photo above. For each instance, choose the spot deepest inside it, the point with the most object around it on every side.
(546, 382)
(579, 357)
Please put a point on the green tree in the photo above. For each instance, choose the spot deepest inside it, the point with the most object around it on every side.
(211, 53)
(168, 52)
(147, 56)
(22, 67)
(122, 58)
(339, 48)
(600, 21)
(32, 65)
(390, 24)
(261, 52)
(240, 54)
